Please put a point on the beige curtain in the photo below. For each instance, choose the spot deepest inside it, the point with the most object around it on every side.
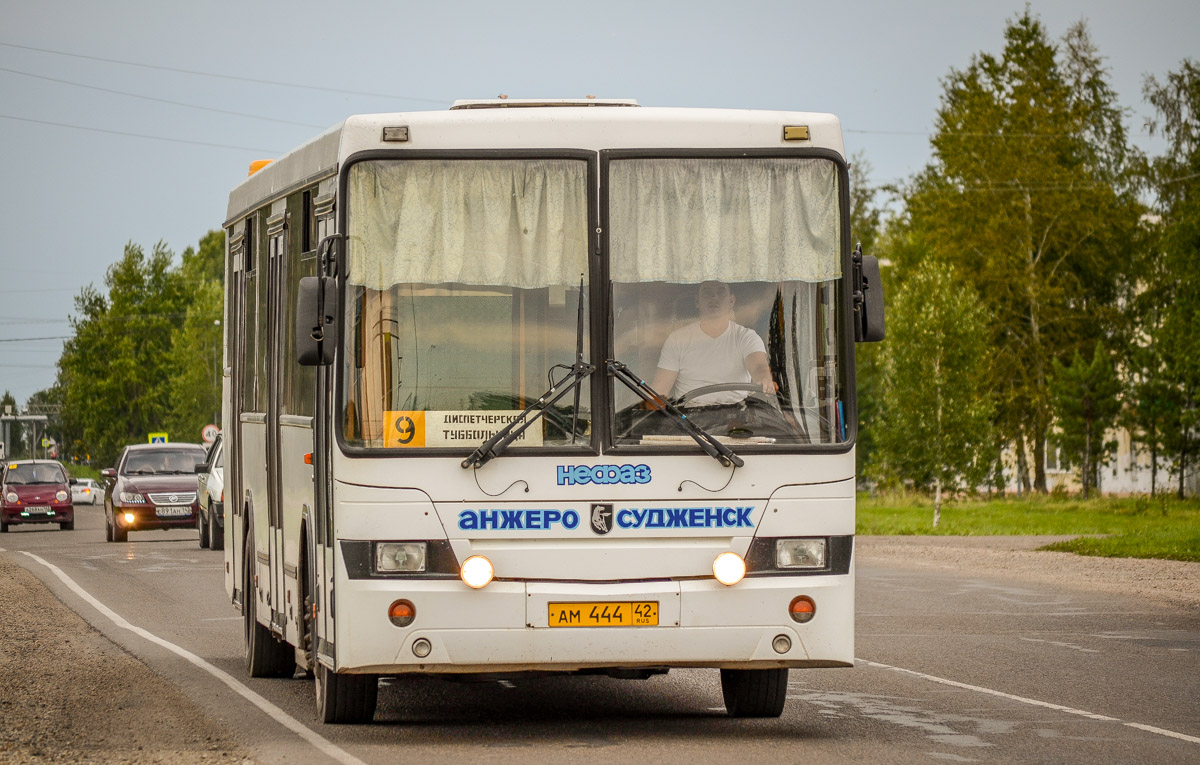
(514, 223)
(756, 219)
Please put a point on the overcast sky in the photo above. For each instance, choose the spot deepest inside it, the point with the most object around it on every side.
(130, 120)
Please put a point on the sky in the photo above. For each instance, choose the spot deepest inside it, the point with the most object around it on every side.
(130, 120)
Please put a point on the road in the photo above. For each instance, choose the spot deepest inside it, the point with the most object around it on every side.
(954, 666)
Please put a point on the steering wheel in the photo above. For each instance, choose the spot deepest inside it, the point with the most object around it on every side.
(719, 387)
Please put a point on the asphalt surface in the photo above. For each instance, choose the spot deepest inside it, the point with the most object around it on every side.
(956, 664)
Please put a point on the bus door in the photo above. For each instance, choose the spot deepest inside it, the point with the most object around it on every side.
(236, 328)
(276, 258)
(322, 527)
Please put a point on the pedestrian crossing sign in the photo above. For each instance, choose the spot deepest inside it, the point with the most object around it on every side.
(158, 438)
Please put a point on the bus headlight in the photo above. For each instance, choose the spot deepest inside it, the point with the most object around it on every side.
(800, 553)
(729, 568)
(399, 557)
(477, 571)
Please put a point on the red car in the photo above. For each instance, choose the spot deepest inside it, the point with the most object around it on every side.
(36, 491)
(152, 487)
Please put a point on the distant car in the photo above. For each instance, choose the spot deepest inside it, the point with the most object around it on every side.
(86, 491)
(36, 491)
(152, 487)
(210, 484)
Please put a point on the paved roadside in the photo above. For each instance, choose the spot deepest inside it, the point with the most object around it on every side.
(68, 694)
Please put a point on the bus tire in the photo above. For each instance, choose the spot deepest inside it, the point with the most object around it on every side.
(265, 655)
(345, 699)
(754, 692)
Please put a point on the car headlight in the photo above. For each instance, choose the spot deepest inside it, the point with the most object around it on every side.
(800, 553)
(399, 557)
(132, 498)
(62, 496)
(11, 496)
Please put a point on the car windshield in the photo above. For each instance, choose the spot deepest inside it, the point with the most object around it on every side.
(162, 462)
(29, 474)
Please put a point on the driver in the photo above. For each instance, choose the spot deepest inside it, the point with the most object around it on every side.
(713, 350)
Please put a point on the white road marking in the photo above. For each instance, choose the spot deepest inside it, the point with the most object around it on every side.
(283, 718)
(1060, 644)
(1033, 702)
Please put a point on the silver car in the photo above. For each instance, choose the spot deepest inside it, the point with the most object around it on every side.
(210, 486)
(86, 491)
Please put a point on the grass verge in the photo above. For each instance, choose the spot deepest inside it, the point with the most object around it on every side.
(1130, 527)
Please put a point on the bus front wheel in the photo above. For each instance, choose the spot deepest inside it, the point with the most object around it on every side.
(754, 692)
(345, 698)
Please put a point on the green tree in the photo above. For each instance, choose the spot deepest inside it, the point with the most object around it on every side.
(935, 413)
(1086, 400)
(195, 393)
(1028, 196)
(114, 372)
(1175, 179)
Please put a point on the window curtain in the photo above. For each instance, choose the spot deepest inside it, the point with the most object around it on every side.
(512, 223)
(736, 219)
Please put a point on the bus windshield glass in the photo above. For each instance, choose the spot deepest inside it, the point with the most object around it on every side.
(726, 292)
(465, 291)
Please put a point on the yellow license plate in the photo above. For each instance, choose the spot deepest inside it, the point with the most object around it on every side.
(607, 614)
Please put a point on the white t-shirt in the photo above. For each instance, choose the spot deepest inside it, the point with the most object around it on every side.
(701, 360)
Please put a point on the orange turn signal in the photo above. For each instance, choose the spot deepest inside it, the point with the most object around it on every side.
(308, 458)
(802, 609)
(401, 613)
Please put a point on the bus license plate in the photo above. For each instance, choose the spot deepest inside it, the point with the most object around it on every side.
(172, 512)
(606, 614)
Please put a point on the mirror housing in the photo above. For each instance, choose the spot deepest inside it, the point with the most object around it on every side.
(316, 321)
(202, 468)
(109, 473)
(868, 298)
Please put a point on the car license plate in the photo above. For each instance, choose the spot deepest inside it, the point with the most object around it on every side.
(606, 614)
(38, 510)
(172, 511)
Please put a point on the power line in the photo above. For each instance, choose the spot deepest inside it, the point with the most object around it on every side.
(226, 76)
(159, 100)
(32, 339)
(141, 135)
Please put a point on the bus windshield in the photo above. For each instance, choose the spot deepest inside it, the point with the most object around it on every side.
(726, 292)
(466, 281)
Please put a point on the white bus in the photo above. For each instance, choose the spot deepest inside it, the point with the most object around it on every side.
(447, 449)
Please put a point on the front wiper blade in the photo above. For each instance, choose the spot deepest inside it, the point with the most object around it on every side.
(708, 442)
(491, 448)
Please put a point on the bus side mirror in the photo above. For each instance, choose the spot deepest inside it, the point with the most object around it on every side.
(316, 321)
(868, 298)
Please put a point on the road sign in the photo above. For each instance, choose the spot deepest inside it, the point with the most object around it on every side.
(209, 433)
(158, 438)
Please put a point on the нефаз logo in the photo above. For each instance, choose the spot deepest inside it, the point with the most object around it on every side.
(571, 475)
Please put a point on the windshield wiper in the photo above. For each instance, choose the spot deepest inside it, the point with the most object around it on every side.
(492, 447)
(708, 442)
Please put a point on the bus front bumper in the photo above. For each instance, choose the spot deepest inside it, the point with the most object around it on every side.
(505, 626)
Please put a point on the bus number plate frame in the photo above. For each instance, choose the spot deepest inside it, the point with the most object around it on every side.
(638, 613)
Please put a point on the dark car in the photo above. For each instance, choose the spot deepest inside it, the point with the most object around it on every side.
(152, 487)
(210, 483)
(36, 491)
